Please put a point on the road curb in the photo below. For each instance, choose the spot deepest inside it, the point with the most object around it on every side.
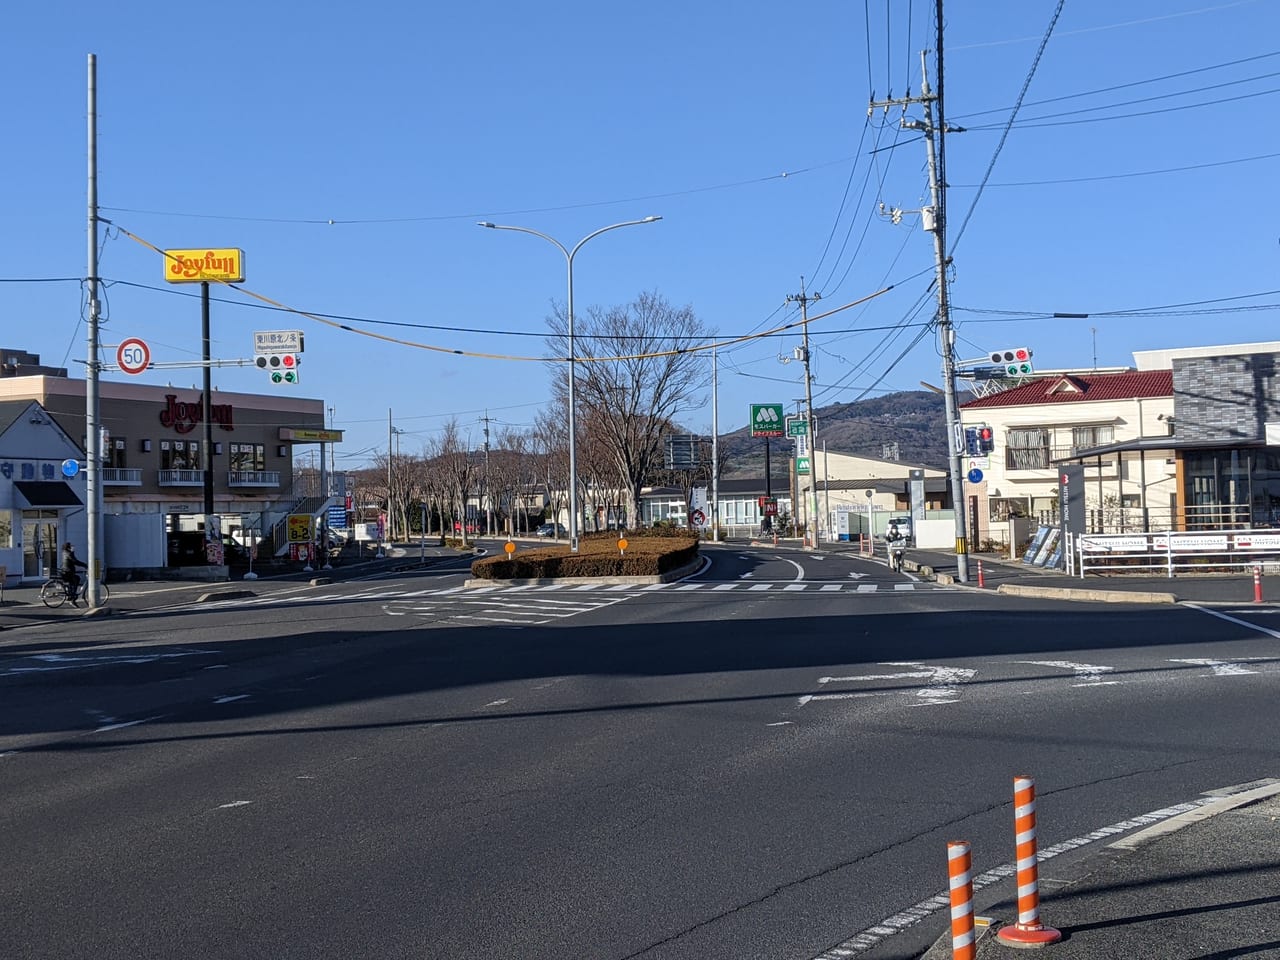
(1098, 596)
(1221, 805)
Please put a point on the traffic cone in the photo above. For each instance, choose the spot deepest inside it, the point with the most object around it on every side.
(1028, 931)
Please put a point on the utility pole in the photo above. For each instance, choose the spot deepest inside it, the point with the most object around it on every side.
(715, 448)
(391, 517)
(92, 428)
(811, 524)
(934, 219)
(488, 503)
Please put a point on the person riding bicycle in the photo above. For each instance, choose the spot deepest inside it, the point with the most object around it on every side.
(69, 563)
(897, 545)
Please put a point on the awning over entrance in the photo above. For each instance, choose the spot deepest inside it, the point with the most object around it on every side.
(46, 493)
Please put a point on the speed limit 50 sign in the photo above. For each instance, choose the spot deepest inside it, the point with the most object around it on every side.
(133, 355)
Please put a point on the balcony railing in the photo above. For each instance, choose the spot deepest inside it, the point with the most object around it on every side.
(121, 477)
(253, 478)
(180, 478)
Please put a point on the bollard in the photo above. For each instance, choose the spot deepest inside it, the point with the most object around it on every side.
(1028, 931)
(960, 882)
(1257, 584)
(981, 582)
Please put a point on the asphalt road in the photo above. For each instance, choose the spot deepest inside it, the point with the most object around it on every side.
(764, 760)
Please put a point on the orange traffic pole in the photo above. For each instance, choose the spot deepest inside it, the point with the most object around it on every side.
(1028, 931)
(960, 881)
(981, 582)
(1257, 584)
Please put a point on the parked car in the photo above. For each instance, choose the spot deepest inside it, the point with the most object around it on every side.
(552, 530)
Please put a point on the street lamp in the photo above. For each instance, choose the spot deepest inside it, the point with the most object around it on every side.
(573, 441)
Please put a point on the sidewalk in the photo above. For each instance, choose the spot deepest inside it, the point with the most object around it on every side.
(1204, 885)
(21, 606)
(1000, 574)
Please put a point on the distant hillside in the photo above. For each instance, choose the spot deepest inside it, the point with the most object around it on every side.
(914, 419)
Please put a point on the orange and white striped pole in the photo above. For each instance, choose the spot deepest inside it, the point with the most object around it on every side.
(960, 878)
(981, 581)
(1028, 931)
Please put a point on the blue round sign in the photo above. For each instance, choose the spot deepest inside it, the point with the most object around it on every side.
(975, 475)
(70, 468)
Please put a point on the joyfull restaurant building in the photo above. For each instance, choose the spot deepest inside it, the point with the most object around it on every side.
(152, 465)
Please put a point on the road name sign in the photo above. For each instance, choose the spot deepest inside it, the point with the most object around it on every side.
(277, 341)
(797, 427)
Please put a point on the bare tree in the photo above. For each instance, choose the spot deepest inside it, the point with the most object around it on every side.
(550, 442)
(633, 379)
(457, 467)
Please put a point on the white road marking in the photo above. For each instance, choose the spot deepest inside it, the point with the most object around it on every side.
(830, 586)
(760, 586)
(780, 723)
(1235, 620)
(234, 803)
(1221, 668)
(238, 696)
(724, 586)
(866, 588)
(876, 934)
(857, 576)
(944, 686)
(128, 723)
(1090, 673)
(799, 569)
(498, 703)
(746, 576)
(794, 586)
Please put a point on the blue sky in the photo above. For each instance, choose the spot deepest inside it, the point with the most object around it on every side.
(255, 125)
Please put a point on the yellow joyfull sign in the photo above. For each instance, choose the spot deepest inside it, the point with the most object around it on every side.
(299, 527)
(202, 265)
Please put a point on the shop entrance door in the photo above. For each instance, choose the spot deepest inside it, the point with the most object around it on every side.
(39, 543)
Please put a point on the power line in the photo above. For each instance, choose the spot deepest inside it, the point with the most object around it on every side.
(1044, 42)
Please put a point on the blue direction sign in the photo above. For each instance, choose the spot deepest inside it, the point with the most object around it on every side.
(975, 475)
(338, 517)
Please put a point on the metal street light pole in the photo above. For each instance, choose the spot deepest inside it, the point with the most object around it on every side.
(573, 435)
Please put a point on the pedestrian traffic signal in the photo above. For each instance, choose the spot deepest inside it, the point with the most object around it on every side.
(1016, 361)
(971, 446)
(986, 439)
(283, 367)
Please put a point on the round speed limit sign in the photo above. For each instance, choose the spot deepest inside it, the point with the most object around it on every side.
(133, 356)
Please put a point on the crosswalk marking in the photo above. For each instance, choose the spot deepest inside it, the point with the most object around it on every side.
(546, 592)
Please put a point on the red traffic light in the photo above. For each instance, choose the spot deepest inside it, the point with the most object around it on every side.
(289, 360)
(1022, 353)
(985, 433)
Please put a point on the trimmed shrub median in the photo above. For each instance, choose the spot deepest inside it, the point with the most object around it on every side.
(649, 552)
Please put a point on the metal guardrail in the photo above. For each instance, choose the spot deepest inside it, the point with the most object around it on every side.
(1172, 551)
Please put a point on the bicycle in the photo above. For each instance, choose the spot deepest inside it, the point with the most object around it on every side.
(56, 592)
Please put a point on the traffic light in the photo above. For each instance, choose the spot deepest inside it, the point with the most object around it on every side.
(1016, 361)
(986, 439)
(971, 446)
(283, 367)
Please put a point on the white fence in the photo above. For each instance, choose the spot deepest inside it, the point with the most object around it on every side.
(1172, 551)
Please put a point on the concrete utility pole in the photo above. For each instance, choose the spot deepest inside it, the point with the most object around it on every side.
(811, 524)
(715, 447)
(488, 502)
(92, 428)
(934, 218)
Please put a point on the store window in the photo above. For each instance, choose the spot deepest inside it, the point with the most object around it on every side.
(115, 453)
(6, 528)
(247, 457)
(179, 455)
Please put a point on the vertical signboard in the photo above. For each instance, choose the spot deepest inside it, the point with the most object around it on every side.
(1071, 501)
